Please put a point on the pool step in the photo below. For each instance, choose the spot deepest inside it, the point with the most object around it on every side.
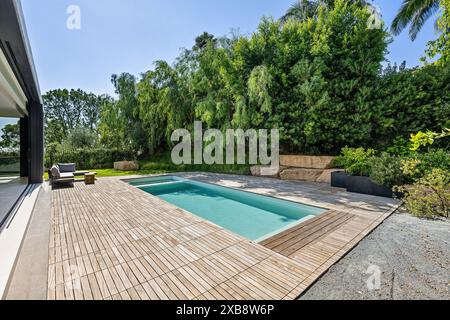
(160, 184)
(290, 241)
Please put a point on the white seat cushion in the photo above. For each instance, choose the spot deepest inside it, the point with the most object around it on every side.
(66, 176)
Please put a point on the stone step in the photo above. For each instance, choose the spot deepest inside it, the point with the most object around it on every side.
(305, 174)
(301, 174)
(307, 162)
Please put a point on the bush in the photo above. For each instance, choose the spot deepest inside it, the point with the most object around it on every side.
(426, 139)
(410, 100)
(399, 147)
(419, 165)
(436, 159)
(9, 161)
(355, 161)
(9, 154)
(430, 196)
(87, 158)
(386, 170)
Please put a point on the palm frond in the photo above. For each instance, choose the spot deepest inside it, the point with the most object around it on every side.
(421, 18)
(301, 10)
(414, 13)
(305, 9)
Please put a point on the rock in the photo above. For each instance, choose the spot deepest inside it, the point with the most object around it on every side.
(308, 162)
(264, 171)
(302, 174)
(126, 166)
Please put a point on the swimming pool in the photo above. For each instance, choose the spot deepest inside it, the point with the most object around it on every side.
(250, 215)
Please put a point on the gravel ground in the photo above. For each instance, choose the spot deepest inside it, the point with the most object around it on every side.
(409, 256)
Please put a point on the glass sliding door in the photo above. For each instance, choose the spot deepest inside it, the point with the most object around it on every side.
(11, 184)
(9, 147)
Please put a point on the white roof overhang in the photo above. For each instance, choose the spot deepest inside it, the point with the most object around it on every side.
(13, 102)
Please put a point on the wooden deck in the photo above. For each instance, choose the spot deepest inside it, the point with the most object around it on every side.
(291, 241)
(113, 241)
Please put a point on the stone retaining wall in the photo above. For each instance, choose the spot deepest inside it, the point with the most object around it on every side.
(303, 168)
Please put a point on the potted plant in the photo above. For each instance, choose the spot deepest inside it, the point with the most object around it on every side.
(365, 185)
(339, 179)
(386, 173)
(358, 165)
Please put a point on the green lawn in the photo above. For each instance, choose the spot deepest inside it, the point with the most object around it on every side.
(162, 164)
(117, 173)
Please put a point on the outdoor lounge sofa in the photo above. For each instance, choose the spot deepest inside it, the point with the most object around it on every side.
(64, 173)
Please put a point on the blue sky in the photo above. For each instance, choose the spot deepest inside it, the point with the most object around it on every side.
(128, 35)
(118, 35)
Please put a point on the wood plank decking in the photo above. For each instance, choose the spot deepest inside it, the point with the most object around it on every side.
(113, 241)
(292, 240)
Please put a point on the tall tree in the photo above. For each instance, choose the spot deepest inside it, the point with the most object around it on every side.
(10, 139)
(441, 46)
(121, 125)
(66, 110)
(302, 10)
(203, 40)
(414, 13)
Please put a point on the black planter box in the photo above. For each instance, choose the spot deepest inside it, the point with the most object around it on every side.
(339, 179)
(365, 185)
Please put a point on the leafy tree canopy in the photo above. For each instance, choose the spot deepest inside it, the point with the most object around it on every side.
(318, 80)
(10, 138)
(65, 110)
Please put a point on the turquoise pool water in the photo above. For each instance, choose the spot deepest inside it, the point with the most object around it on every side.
(252, 216)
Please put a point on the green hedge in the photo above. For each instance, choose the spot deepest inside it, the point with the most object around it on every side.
(9, 161)
(9, 165)
(95, 158)
(408, 101)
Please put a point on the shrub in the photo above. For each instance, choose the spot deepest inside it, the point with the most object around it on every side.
(87, 158)
(9, 153)
(355, 161)
(386, 170)
(430, 196)
(424, 139)
(9, 162)
(399, 147)
(436, 159)
(419, 165)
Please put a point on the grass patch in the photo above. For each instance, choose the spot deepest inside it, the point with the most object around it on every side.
(162, 164)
